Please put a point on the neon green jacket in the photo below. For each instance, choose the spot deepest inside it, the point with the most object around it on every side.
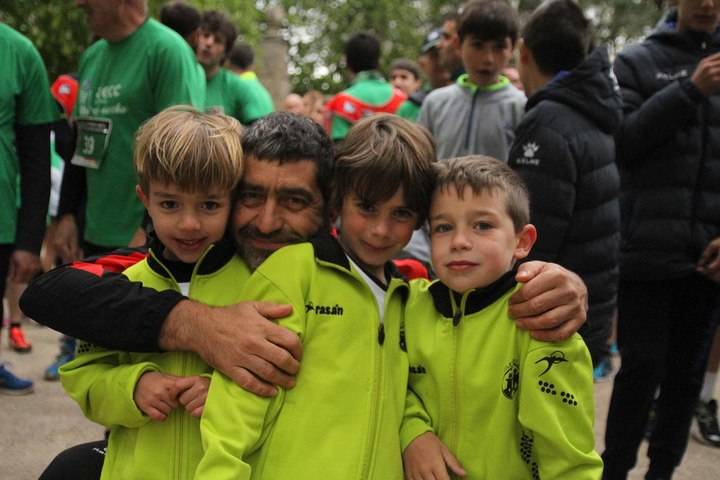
(342, 419)
(103, 381)
(508, 406)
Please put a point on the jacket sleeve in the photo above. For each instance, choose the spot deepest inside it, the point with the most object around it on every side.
(653, 116)
(416, 420)
(235, 422)
(92, 301)
(102, 382)
(546, 162)
(556, 410)
(33, 149)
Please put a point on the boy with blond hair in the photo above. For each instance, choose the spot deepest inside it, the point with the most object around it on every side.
(341, 420)
(506, 405)
(188, 163)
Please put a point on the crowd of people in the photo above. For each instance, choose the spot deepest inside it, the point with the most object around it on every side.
(418, 277)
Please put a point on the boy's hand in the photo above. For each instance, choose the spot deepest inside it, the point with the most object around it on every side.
(427, 458)
(156, 395)
(709, 263)
(553, 302)
(194, 393)
(706, 76)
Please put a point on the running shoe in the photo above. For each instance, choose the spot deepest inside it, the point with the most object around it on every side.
(707, 420)
(17, 339)
(67, 353)
(12, 385)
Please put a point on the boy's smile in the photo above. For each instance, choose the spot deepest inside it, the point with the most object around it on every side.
(374, 234)
(473, 238)
(186, 223)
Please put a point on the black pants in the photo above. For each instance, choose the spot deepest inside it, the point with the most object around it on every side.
(664, 336)
(81, 462)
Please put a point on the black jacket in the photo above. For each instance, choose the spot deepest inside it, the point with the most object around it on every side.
(669, 155)
(565, 151)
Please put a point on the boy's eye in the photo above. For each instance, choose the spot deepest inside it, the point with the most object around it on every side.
(210, 205)
(294, 203)
(168, 204)
(404, 214)
(482, 226)
(366, 207)
(499, 45)
(441, 228)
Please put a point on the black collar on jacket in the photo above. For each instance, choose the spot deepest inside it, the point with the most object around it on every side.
(219, 255)
(478, 298)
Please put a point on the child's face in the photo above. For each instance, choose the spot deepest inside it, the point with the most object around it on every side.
(473, 239)
(405, 80)
(186, 223)
(484, 60)
(374, 234)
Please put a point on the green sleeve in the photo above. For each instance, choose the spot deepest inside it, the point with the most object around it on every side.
(235, 422)
(409, 111)
(34, 105)
(416, 420)
(103, 383)
(257, 101)
(556, 409)
(175, 78)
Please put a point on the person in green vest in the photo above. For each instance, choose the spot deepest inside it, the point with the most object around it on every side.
(26, 112)
(226, 92)
(369, 92)
(240, 61)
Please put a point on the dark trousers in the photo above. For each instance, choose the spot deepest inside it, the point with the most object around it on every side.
(81, 462)
(664, 336)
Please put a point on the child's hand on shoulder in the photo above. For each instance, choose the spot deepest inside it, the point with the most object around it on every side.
(194, 391)
(427, 458)
(156, 395)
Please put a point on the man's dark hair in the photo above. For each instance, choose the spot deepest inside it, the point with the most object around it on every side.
(558, 35)
(218, 23)
(181, 17)
(488, 20)
(362, 52)
(241, 55)
(286, 137)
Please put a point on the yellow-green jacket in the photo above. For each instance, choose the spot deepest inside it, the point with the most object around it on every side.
(103, 381)
(508, 406)
(342, 419)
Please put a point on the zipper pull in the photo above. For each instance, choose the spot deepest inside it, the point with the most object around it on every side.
(381, 334)
(456, 318)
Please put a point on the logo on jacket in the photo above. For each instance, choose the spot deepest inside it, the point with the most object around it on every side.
(335, 310)
(553, 359)
(529, 151)
(511, 379)
(417, 369)
(671, 76)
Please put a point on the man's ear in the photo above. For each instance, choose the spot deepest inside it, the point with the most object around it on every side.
(142, 196)
(525, 240)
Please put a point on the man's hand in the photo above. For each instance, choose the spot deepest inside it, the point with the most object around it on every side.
(156, 395)
(23, 266)
(709, 263)
(706, 76)
(427, 458)
(552, 303)
(239, 340)
(194, 393)
(66, 239)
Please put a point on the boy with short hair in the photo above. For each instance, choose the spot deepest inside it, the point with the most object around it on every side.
(405, 76)
(506, 405)
(188, 163)
(479, 112)
(341, 420)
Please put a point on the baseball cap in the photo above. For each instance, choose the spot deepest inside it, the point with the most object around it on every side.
(431, 40)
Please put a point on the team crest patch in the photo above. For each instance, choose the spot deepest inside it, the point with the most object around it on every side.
(511, 379)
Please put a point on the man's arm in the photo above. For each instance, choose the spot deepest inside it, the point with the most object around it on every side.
(553, 302)
(91, 301)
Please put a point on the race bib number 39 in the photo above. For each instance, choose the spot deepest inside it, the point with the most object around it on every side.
(93, 136)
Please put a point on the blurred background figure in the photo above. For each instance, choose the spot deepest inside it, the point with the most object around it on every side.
(314, 103)
(293, 103)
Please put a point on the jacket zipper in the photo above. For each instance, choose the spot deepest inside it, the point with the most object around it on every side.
(470, 121)
(458, 314)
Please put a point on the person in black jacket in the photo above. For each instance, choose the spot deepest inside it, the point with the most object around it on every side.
(669, 158)
(565, 151)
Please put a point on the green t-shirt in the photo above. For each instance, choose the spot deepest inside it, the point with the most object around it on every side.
(261, 103)
(24, 100)
(409, 110)
(122, 84)
(227, 93)
(369, 87)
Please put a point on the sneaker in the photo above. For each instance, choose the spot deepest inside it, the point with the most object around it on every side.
(603, 371)
(707, 420)
(67, 353)
(17, 340)
(12, 385)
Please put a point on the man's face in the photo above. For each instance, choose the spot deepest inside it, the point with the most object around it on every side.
(449, 55)
(101, 14)
(277, 205)
(698, 15)
(210, 49)
(484, 60)
(437, 75)
(405, 80)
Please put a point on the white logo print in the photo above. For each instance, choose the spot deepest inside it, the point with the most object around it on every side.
(529, 151)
